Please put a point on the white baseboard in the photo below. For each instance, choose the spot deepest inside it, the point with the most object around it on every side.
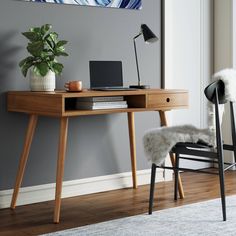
(46, 192)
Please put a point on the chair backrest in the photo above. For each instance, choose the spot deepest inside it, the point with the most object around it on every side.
(215, 93)
(213, 88)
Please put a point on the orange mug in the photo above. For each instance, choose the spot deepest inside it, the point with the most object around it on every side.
(74, 86)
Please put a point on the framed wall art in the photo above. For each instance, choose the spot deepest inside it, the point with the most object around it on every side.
(128, 4)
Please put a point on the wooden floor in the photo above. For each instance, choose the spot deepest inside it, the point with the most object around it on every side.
(78, 211)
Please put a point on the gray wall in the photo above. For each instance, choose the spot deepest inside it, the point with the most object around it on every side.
(97, 145)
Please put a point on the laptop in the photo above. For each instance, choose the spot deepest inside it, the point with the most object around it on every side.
(106, 76)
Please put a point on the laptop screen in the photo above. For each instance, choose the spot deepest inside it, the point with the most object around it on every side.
(105, 74)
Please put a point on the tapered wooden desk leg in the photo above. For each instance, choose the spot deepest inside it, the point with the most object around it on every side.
(172, 156)
(180, 186)
(132, 147)
(60, 167)
(24, 156)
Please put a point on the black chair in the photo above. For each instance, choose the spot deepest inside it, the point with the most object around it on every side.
(215, 94)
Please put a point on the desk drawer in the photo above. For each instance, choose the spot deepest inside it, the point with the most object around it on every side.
(167, 100)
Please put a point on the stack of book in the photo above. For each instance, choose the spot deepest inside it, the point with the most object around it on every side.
(96, 103)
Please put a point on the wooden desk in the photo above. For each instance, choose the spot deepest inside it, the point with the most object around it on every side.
(61, 104)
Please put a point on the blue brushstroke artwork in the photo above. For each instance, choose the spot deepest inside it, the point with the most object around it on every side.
(128, 4)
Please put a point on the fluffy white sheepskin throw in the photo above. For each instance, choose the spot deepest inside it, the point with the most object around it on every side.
(158, 142)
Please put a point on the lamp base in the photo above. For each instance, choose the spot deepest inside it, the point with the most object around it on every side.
(140, 86)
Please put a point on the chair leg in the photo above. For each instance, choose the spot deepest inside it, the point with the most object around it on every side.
(152, 187)
(176, 172)
(233, 129)
(220, 155)
(222, 186)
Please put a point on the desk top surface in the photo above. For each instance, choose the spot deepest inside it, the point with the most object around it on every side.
(93, 93)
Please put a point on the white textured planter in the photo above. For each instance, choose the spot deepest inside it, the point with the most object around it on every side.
(46, 83)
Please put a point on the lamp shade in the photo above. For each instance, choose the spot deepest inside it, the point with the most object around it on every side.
(148, 35)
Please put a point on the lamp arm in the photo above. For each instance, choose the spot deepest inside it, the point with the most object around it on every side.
(136, 57)
(138, 35)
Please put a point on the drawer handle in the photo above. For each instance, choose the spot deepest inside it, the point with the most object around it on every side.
(168, 99)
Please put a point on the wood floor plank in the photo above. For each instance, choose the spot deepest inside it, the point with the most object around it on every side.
(36, 219)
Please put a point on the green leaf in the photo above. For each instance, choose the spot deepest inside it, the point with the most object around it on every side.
(36, 30)
(25, 68)
(42, 68)
(61, 43)
(60, 49)
(45, 28)
(35, 48)
(61, 54)
(64, 54)
(45, 54)
(36, 71)
(51, 39)
(32, 36)
(50, 65)
(50, 43)
(26, 60)
(57, 68)
(54, 37)
(51, 58)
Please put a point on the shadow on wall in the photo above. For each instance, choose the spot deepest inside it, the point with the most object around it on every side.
(7, 63)
(9, 123)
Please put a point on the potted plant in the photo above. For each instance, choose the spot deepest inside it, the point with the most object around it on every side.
(43, 47)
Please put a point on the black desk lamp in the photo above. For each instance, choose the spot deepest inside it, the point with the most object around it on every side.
(149, 37)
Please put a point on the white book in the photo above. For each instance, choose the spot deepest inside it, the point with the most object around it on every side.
(97, 107)
(81, 103)
(101, 99)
